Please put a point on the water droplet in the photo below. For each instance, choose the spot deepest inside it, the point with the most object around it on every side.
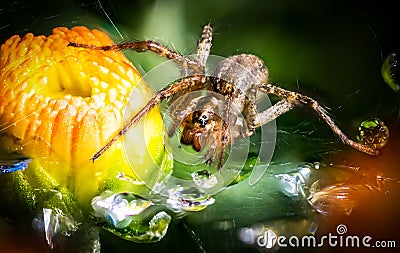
(293, 183)
(119, 208)
(50, 225)
(390, 71)
(158, 225)
(188, 199)
(373, 133)
(53, 221)
(204, 179)
(129, 179)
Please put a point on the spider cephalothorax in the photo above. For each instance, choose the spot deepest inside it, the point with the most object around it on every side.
(228, 110)
(202, 128)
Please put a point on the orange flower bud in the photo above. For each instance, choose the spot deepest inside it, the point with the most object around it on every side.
(60, 104)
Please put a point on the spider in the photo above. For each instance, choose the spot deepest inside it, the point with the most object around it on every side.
(237, 80)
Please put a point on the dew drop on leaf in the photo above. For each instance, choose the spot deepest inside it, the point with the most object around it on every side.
(188, 199)
(204, 179)
(373, 133)
(390, 71)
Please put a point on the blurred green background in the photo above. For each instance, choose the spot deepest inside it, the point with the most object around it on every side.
(331, 50)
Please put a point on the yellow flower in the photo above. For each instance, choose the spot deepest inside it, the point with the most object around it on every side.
(60, 104)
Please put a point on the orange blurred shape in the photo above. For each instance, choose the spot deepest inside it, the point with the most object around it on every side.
(58, 99)
(61, 104)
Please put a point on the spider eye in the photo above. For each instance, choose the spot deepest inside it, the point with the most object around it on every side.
(202, 119)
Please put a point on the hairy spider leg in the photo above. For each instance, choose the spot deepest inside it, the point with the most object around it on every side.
(184, 83)
(204, 45)
(203, 51)
(182, 109)
(296, 98)
(228, 90)
(249, 114)
(273, 112)
(224, 134)
(148, 45)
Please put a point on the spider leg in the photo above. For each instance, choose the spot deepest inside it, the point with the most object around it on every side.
(249, 114)
(295, 98)
(185, 103)
(184, 83)
(224, 134)
(211, 149)
(204, 45)
(148, 45)
(181, 111)
(273, 112)
(219, 139)
(261, 119)
(224, 141)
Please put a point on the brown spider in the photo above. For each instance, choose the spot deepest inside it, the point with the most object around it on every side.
(236, 80)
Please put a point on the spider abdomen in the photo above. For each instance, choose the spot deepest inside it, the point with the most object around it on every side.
(243, 72)
(237, 78)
